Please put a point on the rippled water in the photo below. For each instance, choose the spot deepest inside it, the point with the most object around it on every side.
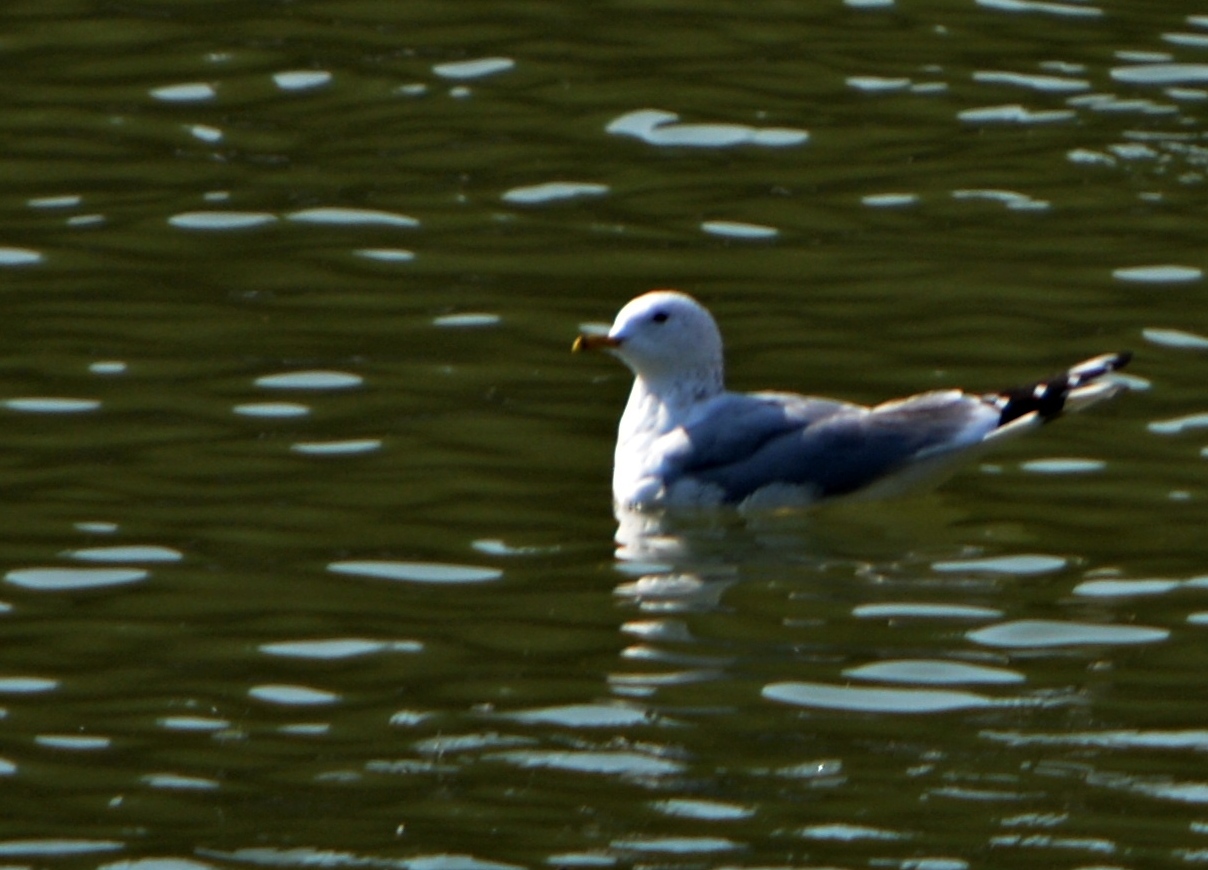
(309, 557)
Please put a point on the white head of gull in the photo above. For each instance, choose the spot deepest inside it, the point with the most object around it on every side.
(685, 440)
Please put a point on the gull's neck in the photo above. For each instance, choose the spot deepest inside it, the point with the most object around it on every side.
(659, 403)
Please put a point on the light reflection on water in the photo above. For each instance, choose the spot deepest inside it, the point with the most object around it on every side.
(388, 627)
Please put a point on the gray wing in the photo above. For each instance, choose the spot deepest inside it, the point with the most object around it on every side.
(831, 447)
(739, 425)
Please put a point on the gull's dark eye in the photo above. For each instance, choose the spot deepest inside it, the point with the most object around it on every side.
(660, 316)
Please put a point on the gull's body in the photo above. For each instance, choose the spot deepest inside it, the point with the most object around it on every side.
(684, 439)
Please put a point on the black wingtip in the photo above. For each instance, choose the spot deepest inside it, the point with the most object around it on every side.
(1046, 398)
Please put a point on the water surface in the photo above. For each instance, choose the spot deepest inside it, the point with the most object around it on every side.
(308, 549)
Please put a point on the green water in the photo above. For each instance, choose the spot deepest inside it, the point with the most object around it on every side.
(373, 615)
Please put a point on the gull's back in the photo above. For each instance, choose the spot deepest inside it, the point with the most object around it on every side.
(741, 445)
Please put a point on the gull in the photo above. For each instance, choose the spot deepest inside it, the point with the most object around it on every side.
(684, 439)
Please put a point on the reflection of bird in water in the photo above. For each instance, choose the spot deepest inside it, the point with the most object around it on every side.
(685, 440)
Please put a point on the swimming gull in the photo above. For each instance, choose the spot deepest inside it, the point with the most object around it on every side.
(686, 440)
